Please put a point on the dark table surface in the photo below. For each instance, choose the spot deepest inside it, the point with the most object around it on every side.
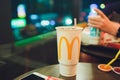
(100, 51)
(85, 71)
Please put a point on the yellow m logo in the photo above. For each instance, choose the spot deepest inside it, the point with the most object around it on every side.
(69, 46)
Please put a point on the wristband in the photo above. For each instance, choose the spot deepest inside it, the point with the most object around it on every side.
(118, 33)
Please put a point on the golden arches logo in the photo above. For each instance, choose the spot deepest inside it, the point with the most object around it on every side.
(69, 46)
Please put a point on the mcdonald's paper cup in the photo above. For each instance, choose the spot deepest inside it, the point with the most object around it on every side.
(68, 45)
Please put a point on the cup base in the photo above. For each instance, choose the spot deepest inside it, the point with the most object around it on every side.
(68, 70)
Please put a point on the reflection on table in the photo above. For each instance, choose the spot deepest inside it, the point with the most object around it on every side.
(85, 71)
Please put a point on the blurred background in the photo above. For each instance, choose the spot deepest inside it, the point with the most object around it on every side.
(27, 29)
(35, 17)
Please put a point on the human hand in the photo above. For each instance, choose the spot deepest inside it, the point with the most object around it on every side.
(103, 23)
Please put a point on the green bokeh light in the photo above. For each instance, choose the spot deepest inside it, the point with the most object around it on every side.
(102, 6)
(18, 23)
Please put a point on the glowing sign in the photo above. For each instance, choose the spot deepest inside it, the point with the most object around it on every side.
(18, 23)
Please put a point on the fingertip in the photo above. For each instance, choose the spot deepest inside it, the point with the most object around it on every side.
(99, 12)
(95, 8)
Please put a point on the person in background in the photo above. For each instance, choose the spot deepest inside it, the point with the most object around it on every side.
(105, 22)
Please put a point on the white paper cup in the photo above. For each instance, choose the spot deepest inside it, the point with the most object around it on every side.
(68, 70)
(68, 44)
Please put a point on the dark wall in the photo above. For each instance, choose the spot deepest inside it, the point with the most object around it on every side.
(5, 17)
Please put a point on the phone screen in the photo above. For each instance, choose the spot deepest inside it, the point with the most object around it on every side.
(33, 77)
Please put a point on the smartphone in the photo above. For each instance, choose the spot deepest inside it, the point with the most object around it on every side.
(35, 76)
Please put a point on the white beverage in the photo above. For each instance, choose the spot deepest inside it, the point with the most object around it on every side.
(68, 44)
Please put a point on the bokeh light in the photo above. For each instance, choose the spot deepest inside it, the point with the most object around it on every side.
(21, 11)
(45, 23)
(102, 6)
(92, 6)
(34, 17)
(18, 23)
